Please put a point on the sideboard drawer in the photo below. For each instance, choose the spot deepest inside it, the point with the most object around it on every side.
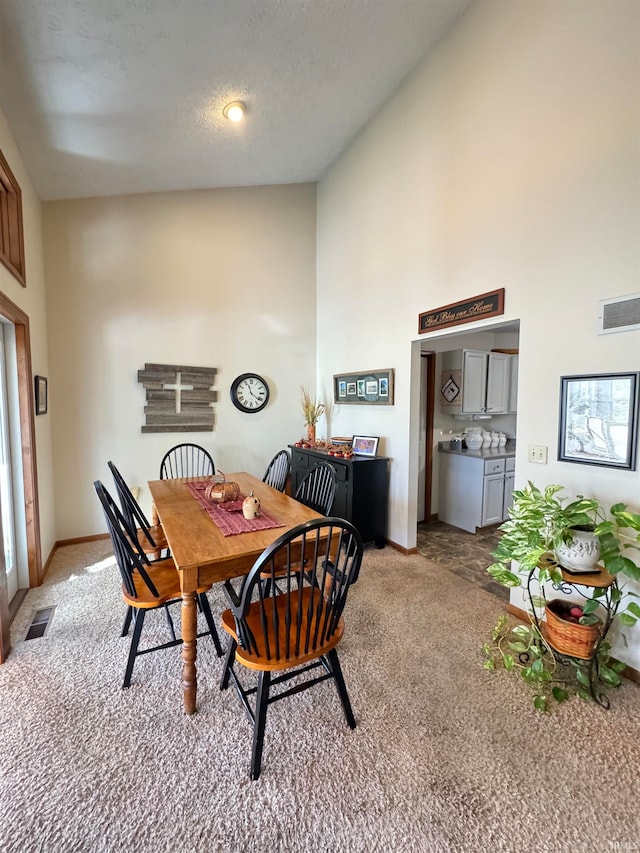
(300, 460)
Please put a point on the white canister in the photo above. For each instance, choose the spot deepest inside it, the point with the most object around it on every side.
(495, 438)
(486, 438)
(502, 440)
(473, 438)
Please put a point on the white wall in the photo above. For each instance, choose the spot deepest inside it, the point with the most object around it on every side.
(509, 159)
(32, 301)
(222, 278)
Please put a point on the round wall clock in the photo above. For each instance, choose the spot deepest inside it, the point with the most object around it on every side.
(249, 392)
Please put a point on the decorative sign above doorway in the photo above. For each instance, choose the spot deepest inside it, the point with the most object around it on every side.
(179, 398)
(477, 308)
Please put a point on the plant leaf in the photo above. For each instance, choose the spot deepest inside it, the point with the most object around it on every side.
(508, 662)
(489, 664)
(540, 702)
(559, 693)
(538, 600)
(609, 676)
(634, 608)
(518, 647)
(589, 606)
(537, 667)
(628, 620)
(503, 576)
(583, 677)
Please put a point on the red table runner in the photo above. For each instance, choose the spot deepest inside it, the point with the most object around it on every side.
(230, 520)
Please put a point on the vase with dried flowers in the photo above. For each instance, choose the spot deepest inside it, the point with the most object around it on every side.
(311, 412)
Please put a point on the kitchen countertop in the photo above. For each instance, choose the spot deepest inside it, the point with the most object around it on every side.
(484, 453)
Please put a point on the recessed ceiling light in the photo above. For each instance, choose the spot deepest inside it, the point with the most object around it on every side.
(234, 111)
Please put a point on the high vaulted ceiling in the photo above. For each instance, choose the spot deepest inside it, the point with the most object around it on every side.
(125, 96)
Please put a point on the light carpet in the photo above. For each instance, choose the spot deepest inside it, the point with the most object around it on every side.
(446, 756)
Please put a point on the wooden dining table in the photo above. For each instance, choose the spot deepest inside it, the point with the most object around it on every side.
(204, 555)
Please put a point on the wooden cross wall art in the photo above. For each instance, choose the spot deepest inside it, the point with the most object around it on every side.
(179, 398)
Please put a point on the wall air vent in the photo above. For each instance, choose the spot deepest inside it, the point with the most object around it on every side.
(621, 314)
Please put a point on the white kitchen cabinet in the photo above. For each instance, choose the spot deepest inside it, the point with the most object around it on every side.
(474, 381)
(472, 490)
(509, 479)
(492, 499)
(498, 373)
(513, 384)
(482, 378)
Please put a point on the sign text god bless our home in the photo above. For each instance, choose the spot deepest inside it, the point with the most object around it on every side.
(478, 308)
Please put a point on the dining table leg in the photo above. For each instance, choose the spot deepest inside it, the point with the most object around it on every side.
(189, 630)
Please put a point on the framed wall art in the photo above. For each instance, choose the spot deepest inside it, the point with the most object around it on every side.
(42, 392)
(599, 420)
(372, 387)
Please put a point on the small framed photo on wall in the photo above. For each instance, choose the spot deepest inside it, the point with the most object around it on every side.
(42, 392)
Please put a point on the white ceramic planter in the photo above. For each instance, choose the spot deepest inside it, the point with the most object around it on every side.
(581, 554)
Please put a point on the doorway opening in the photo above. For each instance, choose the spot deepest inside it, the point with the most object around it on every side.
(437, 424)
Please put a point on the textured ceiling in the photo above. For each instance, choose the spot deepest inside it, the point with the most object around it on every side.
(125, 96)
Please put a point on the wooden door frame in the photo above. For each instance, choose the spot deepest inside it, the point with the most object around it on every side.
(20, 321)
(428, 460)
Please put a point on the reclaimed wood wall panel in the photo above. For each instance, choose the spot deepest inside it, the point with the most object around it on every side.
(179, 398)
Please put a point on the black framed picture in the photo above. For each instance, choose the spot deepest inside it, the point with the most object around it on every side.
(41, 388)
(599, 420)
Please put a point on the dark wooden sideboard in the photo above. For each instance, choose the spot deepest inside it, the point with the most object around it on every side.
(362, 489)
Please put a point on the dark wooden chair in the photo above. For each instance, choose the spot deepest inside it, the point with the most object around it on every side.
(277, 471)
(146, 585)
(150, 538)
(186, 460)
(297, 630)
(317, 491)
(318, 488)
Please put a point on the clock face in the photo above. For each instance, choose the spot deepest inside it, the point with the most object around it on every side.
(249, 392)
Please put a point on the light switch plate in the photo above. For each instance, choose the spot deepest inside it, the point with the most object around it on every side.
(538, 453)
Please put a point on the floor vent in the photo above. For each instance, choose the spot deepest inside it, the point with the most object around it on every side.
(40, 623)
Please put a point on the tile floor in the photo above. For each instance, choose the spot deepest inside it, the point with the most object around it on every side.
(466, 554)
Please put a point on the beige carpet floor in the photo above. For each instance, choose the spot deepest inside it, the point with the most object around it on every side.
(446, 756)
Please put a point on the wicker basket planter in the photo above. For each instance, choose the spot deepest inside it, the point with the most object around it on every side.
(569, 638)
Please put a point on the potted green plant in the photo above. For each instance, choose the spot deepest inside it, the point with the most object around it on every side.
(540, 522)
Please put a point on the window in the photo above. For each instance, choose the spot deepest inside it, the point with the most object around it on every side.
(11, 235)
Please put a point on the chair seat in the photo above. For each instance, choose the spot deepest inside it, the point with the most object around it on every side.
(260, 660)
(165, 577)
(157, 534)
